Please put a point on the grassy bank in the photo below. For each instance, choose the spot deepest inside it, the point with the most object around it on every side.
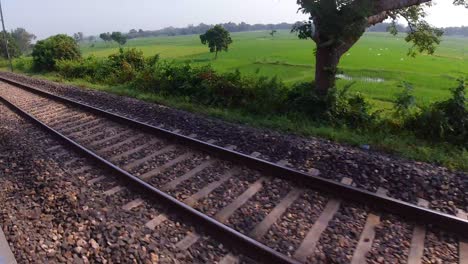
(403, 144)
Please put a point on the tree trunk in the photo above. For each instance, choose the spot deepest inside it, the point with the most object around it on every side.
(216, 55)
(326, 64)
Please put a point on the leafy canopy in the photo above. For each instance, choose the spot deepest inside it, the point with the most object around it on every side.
(23, 39)
(48, 52)
(105, 36)
(340, 23)
(217, 38)
(119, 38)
(13, 47)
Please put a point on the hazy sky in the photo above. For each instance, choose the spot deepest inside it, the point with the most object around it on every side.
(48, 17)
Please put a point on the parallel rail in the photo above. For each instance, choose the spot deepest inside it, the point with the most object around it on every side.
(250, 247)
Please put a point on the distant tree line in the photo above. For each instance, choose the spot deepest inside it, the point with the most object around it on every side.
(202, 28)
(448, 31)
(243, 27)
(19, 42)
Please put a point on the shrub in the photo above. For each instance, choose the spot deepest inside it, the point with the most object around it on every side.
(404, 102)
(444, 121)
(48, 52)
(85, 68)
(24, 64)
(339, 107)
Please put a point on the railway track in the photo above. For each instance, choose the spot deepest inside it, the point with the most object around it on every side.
(238, 199)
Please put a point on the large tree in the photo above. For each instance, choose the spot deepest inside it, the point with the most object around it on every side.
(336, 25)
(217, 38)
(23, 39)
(48, 52)
(13, 48)
(118, 37)
(106, 37)
(79, 36)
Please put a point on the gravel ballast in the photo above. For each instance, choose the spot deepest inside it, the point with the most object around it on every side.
(50, 215)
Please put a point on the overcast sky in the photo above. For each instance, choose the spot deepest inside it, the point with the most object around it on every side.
(49, 17)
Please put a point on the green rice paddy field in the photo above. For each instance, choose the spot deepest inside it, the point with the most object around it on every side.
(377, 64)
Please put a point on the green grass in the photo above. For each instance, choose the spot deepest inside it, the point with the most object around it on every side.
(292, 60)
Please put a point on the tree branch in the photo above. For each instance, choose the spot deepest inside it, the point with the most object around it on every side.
(390, 5)
(376, 19)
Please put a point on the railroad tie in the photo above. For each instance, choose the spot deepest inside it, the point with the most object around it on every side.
(108, 139)
(188, 241)
(310, 241)
(164, 167)
(81, 170)
(136, 163)
(133, 151)
(417, 241)
(62, 117)
(229, 259)
(92, 137)
(223, 215)
(71, 126)
(367, 235)
(463, 247)
(192, 238)
(96, 126)
(192, 200)
(54, 148)
(153, 223)
(96, 180)
(129, 140)
(70, 162)
(132, 204)
(172, 184)
(113, 190)
(262, 228)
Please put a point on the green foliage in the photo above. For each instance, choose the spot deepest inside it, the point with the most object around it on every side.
(119, 38)
(217, 38)
(340, 107)
(106, 37)
(13, 47)
(24, 64)
(405, 101)
(444, 121)
(23, 39)
(118, 68)
(87, 68)
(48, 52)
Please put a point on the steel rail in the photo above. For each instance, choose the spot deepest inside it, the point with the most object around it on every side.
(227, 235)
(380, 202)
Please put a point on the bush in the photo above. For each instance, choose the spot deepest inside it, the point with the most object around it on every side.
(444, 121)
(339, 107)
(74, 69)
(24, 64)
(48, 52)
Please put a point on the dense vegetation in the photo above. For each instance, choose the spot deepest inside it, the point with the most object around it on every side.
(47, 53)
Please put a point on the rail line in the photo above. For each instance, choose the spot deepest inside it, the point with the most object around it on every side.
(110, 139)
